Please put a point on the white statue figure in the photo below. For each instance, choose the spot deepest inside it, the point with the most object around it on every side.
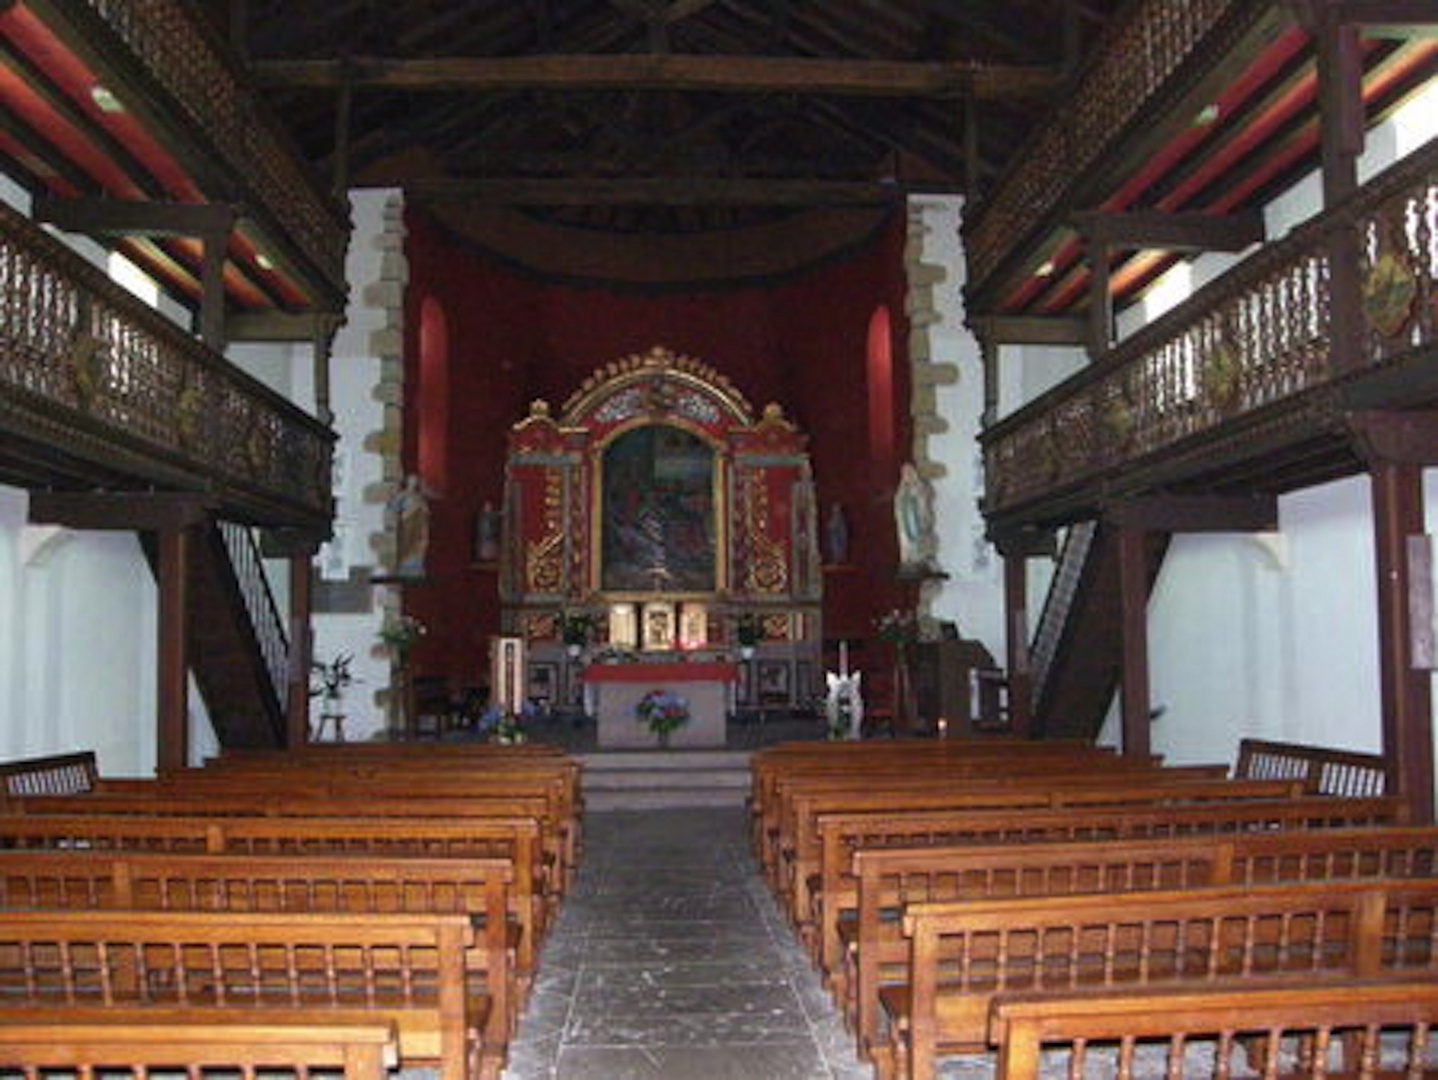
(914, 520)
(844, 706)
(411, 525)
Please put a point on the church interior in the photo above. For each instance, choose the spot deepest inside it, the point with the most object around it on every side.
(606, 478)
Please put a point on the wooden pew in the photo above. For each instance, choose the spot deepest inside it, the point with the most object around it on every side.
(118, 966)
(58, 774)
(173, 1040)
(1312, 1017)
(963, 954)
(1325, 770)
(514, 839)
(799, 857)
(187, 802)
(399, 790)
(474, 887)
(873, 948)
(784, 816)
(841, 834)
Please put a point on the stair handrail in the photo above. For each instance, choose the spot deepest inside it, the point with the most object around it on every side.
(260, 605)
(1059, 602)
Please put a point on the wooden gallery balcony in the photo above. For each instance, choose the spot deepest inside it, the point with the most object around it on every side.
(1265, 380)
(98, 390)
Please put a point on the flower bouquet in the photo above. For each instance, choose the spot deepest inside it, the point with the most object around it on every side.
(664, 712)
(502, 727)
(399, 636)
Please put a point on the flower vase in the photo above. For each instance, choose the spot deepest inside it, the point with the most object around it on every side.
(663, 740)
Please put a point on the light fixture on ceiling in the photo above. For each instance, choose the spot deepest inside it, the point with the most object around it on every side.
(263, 261)
(1206, 115)
(105, 99)
(1045, 268)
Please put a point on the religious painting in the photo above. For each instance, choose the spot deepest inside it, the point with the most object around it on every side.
(774, 682)
(658, 627)
(658, 512)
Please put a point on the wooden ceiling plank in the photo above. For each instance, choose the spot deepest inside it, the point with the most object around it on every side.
(1032, 329)
(63, 106)
(48, 161)
(713, 74)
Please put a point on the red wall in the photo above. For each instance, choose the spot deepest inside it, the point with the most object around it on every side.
(512, 339)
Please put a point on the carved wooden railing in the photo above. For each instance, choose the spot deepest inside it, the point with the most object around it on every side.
(1132, 72)
(90, 374)
(1257, 352)
(170, 42)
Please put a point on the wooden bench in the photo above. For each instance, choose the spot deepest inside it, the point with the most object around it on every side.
(514, 839)
(1326, 771)
(800, 862)
(118, 966)
(842, 834)
(401, 791)
(59, 774)
(964, 954)
(1306, 1019)
(477, 888)
(787, 812)
(174, 1040)
(873, 948)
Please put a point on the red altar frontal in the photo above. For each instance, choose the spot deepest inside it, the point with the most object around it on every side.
(656, 518)
(613, 691)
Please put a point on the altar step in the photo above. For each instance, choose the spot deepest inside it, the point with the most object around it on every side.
(648, 779)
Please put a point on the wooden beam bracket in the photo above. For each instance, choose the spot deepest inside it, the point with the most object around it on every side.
(127, 511)
(1153, 230)
(1196, 513)
(1408, 437)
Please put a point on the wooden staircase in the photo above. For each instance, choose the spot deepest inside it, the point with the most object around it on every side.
(1076, 680)
(237, 664)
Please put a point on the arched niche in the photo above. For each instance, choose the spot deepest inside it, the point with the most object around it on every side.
(657, 486)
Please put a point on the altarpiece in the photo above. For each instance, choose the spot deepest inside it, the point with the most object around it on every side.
(658, 504)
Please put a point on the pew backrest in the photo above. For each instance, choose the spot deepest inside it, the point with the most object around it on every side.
(1325, 770)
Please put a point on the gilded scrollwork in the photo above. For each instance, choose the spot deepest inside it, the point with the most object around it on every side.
(767, 568)
(544, 558)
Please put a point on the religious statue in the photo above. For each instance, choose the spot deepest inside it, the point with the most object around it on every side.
(836, 536)
(410, 508)
(914, 519)
(486, 534)
(844, 704)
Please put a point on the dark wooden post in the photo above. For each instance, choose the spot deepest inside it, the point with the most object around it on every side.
(1100, 299)
(297, 708)
(1405, 688)
(173, 707)
(1016, 631)
(1133, 575)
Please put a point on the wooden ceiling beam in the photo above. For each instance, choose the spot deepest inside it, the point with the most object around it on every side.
(1155, 230)
(120, 217)
(667, 191)
(713, 74)
(1196, 513)
(1031, 329)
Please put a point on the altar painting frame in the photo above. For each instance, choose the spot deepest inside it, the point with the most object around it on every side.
(718, 501)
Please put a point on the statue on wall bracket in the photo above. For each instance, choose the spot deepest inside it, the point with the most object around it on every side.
(914, 522)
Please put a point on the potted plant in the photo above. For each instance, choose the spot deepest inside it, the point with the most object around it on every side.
(399, 636)
(576, 628)
(663, 712)
(333, 677)
(749, 631)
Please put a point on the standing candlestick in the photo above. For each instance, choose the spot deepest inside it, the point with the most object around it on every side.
(843, 659)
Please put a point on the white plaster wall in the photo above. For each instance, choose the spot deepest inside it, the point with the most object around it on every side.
(972, 597)
(77, 643)
(354, 375)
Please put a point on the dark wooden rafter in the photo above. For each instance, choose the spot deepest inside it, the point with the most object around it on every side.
(117, 217)
(676, 191)
(669, 72)
(1030, 329)
(43, 162)
(1156, 230)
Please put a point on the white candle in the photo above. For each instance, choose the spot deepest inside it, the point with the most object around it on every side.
(843, 659)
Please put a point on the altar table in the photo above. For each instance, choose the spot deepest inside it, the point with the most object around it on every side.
(611, 692)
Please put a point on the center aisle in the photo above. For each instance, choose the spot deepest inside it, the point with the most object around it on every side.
(670, 960)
